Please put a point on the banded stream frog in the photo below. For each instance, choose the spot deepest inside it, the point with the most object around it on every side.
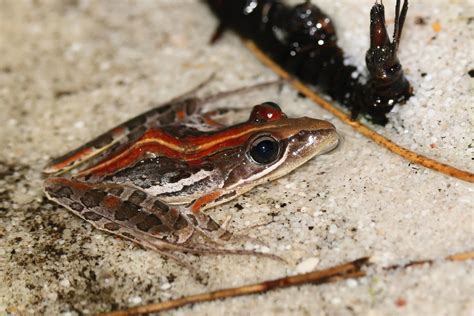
(149, 179)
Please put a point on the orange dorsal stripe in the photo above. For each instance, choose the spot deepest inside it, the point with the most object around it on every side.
(191, 148)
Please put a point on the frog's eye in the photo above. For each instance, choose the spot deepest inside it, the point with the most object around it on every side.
(264, 150)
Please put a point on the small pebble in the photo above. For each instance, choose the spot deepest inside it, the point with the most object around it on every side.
(53, 296)
(65, 283)
(79, 124)
(351, 283)
(307, 265)
(165, 286)
(135, 300)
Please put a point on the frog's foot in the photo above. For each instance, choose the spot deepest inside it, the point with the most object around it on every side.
(246, 238)
(166, 252)
(239, 237)
(246, 229)
(207, 227)
(205, 249)
(216, 234)
(225, 224)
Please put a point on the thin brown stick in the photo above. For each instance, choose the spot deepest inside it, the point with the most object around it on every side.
(463, 256)
(350, 270)
(358, 126)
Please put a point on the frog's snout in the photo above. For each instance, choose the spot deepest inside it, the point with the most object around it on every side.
(334, 143)
(323, 125)
(312, 137)
(329, 141)
(326, 136)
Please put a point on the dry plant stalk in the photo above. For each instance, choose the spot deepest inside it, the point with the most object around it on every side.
(350, 270)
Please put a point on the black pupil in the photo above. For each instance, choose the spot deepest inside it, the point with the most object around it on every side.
(265, 151)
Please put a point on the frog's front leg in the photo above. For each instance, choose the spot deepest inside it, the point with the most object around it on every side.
(208, 227)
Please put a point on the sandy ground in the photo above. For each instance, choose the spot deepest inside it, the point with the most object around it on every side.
(71, 69)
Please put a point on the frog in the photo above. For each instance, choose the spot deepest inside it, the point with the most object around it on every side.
(151, 179)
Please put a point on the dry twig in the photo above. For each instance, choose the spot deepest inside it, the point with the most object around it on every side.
(350, 270)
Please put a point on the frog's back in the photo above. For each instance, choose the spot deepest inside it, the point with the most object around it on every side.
(177, 118)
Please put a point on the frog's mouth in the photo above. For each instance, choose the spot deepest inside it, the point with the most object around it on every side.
(336, 146)
(332, 144)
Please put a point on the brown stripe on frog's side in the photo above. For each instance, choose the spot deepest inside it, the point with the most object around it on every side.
(84, 152)
(190, 148)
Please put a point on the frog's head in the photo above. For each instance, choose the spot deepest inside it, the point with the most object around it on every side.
(277, 145)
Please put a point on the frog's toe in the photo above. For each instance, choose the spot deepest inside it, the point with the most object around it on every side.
(248, 239)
